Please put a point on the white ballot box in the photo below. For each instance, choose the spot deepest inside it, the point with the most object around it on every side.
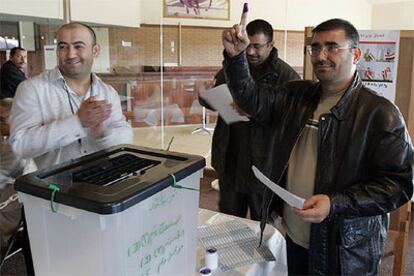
(123, 211)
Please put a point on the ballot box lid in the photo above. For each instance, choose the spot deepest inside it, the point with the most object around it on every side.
(112, 180)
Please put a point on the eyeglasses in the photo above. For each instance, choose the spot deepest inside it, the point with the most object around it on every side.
(257, 46)
(329, 49)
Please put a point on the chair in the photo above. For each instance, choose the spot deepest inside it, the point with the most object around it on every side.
(398, 236)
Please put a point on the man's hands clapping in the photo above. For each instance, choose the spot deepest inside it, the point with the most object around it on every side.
(92, 113)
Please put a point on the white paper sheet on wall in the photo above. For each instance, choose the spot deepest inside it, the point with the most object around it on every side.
(50, 56)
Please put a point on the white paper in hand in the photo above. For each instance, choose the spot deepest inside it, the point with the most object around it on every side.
(220, 99)
(291, 199)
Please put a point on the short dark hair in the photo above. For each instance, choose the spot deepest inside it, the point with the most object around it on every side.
(15, 49)
(260, 26)
(339, 24)
(73, 25)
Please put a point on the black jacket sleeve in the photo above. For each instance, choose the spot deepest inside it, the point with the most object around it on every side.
(11, 77)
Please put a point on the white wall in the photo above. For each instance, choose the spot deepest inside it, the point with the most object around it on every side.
(38, 8)
(399, 16)
(300, 13)
(101, 64)
(112, 12)
(364, 14)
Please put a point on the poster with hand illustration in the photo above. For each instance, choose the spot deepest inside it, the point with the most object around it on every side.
(378, 65)
(198, 9)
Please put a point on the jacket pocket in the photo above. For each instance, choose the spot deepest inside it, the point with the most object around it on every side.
(361, 245)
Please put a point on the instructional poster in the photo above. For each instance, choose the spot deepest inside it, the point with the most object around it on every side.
(379, 62)
(50, 56)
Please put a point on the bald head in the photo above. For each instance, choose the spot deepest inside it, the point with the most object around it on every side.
(74, 25)
(76, 50)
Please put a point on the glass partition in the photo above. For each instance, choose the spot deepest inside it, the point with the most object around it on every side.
(158, 70)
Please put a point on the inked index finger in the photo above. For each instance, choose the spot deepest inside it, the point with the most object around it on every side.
(243, 20)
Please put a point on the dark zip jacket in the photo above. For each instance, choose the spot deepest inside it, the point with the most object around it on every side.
(10, 77)
(365, 164)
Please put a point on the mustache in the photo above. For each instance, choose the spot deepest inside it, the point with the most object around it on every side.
(324, 62)
(71, 59)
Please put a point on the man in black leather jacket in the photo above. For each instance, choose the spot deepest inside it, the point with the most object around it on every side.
(232, 157)
(336, 143)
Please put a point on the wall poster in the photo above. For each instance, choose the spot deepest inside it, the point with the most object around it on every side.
(50, 56)
(379, 62)
(199, 9)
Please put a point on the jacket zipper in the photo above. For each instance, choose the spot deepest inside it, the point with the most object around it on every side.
(283, 171)
(322, 119)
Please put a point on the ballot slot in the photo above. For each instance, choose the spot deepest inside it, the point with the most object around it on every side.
(113, 169)
(66, 170)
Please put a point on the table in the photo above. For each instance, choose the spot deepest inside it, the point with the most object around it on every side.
(276, 244)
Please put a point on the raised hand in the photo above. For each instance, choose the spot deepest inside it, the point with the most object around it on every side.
(235, 40)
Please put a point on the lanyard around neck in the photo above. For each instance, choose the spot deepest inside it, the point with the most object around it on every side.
(65, 87)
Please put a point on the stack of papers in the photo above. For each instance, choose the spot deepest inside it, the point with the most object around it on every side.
(236, 244)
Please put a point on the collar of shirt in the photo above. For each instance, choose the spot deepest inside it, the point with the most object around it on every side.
(56, 77)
